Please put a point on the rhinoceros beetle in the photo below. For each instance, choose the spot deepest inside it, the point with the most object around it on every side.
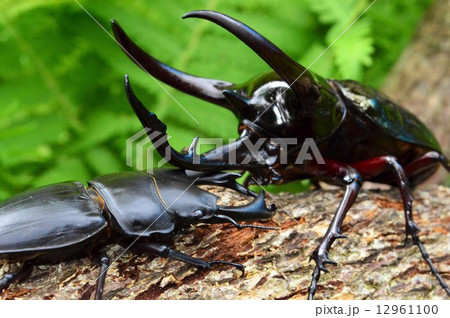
(137, 210)
(361, 134)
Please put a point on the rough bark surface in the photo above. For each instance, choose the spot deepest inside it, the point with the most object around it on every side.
(420, 80)
(373, 261)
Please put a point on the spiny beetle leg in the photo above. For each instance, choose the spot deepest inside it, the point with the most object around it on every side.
(104, 262)
(18, 276)
(165, 251)
(344, 175)
(379, 165)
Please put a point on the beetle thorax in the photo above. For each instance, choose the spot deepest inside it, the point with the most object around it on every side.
(273, 108)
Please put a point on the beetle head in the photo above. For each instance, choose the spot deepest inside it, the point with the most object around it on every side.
(191, 205)
(268, 112)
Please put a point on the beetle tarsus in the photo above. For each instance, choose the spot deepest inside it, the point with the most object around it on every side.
(412, 230)
(426, 257)
(313, 286)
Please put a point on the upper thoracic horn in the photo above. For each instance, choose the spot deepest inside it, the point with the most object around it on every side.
(204, 88)
(297, 76)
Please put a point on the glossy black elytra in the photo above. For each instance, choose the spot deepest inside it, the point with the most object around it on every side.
(361, 134)
(134, 209)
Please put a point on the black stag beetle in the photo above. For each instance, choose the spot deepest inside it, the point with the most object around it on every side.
(137, 210)
(361, 134)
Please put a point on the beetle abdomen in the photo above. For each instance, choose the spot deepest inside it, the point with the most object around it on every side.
(390, 118)
(41, 221)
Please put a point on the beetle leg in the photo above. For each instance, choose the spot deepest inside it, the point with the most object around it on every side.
(104, 261)
(426, 162)
(18, 275)
(344, 175)
(379, 165)
(165, 251)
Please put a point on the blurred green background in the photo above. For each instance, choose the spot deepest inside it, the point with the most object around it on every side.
(64, 114)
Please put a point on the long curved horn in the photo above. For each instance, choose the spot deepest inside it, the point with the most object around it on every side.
(300, 79)
(214, 160)
(204, 88)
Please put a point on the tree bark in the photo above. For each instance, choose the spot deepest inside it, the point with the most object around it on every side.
(373, 261)
(420, 80)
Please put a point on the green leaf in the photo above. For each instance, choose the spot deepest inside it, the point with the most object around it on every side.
(66, 169)
(331, 11)
(353, 49)
(103, 161)
(27, 140)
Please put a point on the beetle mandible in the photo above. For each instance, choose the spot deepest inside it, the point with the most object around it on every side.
(361, 134)
(137, 210)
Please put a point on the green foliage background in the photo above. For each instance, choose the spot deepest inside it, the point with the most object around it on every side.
(64, 114)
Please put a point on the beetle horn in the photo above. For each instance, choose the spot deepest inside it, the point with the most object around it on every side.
(297, 76)
(204, 88)
(240, 105)
(212, 161)
(156, 129)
